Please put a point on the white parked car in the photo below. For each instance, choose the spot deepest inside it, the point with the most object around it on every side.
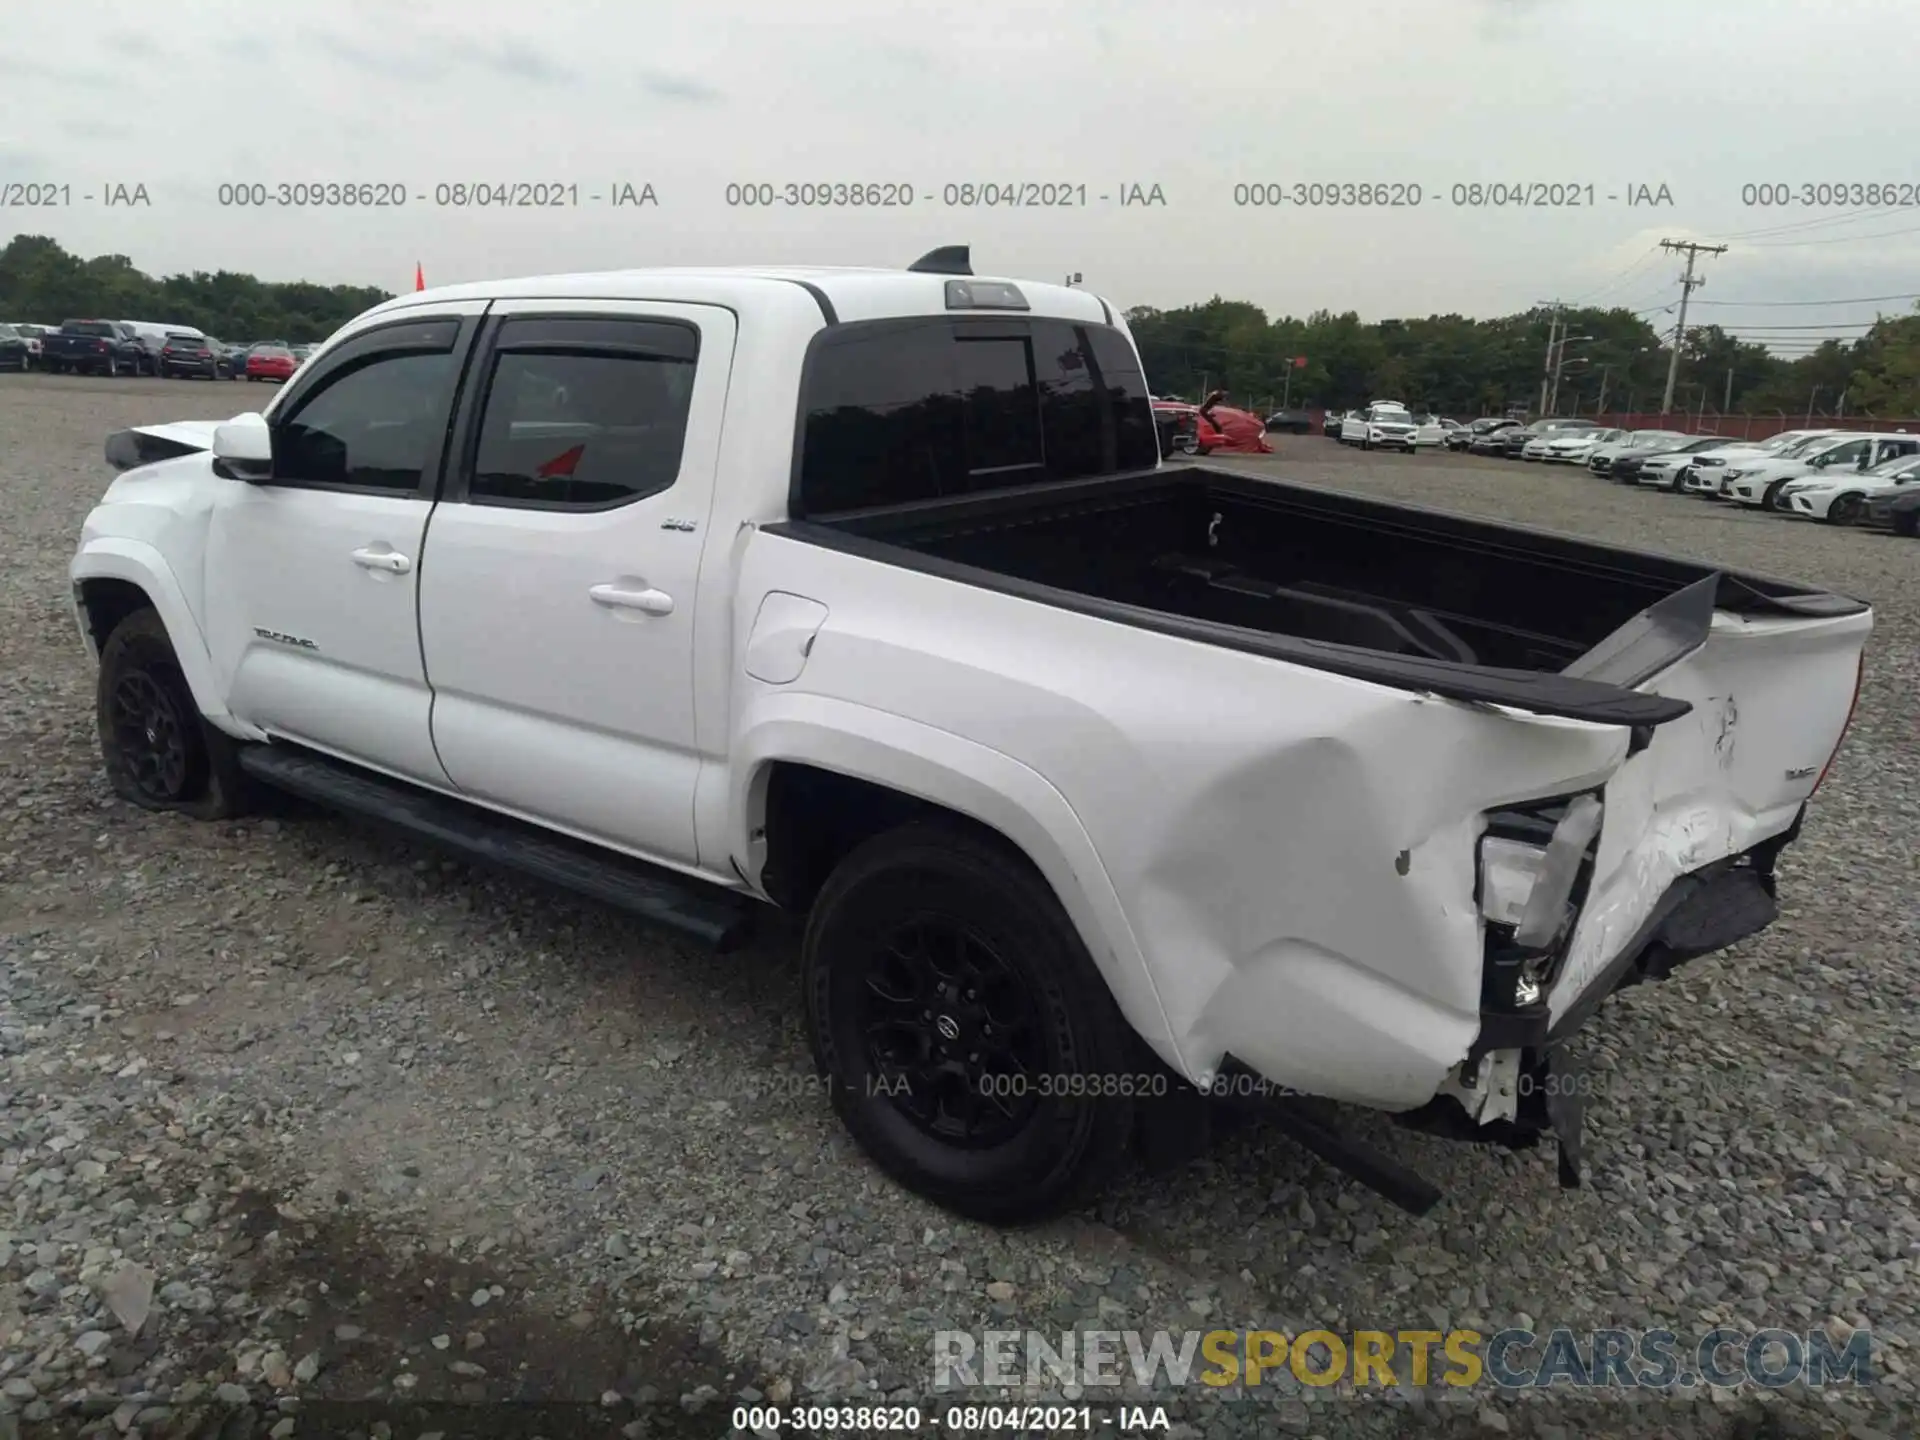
(1716, 483)
(1550, 431)
(751, 588)
(1841, 497)
(1434, 431)
(1758, 483)
(1573, 447)
(1705, 478)
(1383, 425)
(1600, 459)
(1667, 469)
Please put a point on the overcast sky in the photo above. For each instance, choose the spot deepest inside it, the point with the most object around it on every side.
(1700, 96)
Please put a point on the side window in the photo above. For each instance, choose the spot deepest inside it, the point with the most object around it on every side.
(584, 414)
(1847, 454)
(372, 425)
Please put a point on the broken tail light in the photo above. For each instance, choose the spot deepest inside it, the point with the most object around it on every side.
(1534, 864)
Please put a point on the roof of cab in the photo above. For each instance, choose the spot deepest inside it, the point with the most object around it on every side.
(842, 293)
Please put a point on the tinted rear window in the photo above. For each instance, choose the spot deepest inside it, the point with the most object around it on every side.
(898, 411)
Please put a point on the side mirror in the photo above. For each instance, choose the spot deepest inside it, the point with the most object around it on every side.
(243, 450)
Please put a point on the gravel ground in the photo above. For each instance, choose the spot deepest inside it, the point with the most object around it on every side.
(295, 1115)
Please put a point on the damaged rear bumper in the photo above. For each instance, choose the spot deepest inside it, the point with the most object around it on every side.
(1520, 1071)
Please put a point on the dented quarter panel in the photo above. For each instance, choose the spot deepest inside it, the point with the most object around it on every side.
(1292, 851)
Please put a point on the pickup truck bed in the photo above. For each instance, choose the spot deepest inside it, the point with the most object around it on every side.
(1474, 610)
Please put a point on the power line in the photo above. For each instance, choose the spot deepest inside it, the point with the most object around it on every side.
(1845, 217)
(1856, 300)
(1836, 239)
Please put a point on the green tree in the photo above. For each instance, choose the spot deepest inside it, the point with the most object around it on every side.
(41, 282)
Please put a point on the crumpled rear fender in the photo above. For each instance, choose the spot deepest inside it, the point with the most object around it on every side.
(969, 778)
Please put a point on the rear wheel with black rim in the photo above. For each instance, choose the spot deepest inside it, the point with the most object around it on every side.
(968, 1041)
(1845, 510)
(159, 753)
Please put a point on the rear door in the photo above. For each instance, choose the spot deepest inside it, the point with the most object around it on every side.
(557, 608)
(311, 577)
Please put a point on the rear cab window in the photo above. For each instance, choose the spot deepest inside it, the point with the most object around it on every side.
(900, 411)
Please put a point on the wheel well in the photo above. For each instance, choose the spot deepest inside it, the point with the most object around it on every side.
(107, 603)
(814, 819)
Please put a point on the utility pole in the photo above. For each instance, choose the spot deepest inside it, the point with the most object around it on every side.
(1727, 404)
(1601, 408)
(1689, 282)
(1546, 371)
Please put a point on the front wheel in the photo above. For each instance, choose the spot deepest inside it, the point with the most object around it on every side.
(969, 1043)
(1845, 510)
(159, 753)
(1907, 523)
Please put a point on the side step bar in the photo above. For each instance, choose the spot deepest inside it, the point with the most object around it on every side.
(712, 916)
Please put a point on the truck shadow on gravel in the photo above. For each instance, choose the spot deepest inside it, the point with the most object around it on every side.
(375, 1331)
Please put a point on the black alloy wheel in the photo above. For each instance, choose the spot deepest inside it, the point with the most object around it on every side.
(158, 751)
(954, 1030)
(967, 1039)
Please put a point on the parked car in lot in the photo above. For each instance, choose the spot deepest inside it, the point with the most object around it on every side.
(153, 338)
(15, 354)
(1517, 441)
(1758, 483)
(189, 355)
(1600, 459)
(271, 362)
(1572, 447)
(1435, 431)
(1383, 425)
(1707, 475)
(1665, 469)
(1840, 497)
(1331, 422)
(1899, 512)
(1483, 436)
(1293, 422)
(33, 337)
(1037, 817)
(93, 347)
(1715, 482)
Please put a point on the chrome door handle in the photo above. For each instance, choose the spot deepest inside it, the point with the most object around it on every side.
(391, 561)
(653, 602)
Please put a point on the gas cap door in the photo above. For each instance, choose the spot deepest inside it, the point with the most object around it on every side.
(783, 635)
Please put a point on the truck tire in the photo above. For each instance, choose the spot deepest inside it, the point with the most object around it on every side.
(942, 976)
(159, 753)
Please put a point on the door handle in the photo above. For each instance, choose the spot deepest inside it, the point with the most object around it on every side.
(391, 561)
(653, 602)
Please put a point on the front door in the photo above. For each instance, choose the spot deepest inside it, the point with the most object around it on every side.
(557, 598)
(312, 575)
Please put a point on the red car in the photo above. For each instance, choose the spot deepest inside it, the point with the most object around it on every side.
(271, 363)
(1213, 428)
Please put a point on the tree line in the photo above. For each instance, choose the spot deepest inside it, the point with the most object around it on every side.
(1614, 360)
(42, 283)
(1448, 363)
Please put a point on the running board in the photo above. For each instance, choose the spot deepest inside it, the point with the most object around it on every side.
(708, 914)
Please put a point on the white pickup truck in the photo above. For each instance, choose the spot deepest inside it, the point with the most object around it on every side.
(1105, 787)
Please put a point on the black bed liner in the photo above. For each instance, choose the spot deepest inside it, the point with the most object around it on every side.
(1402, 595)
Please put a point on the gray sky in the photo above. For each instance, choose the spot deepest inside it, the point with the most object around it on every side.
(1701, 96)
